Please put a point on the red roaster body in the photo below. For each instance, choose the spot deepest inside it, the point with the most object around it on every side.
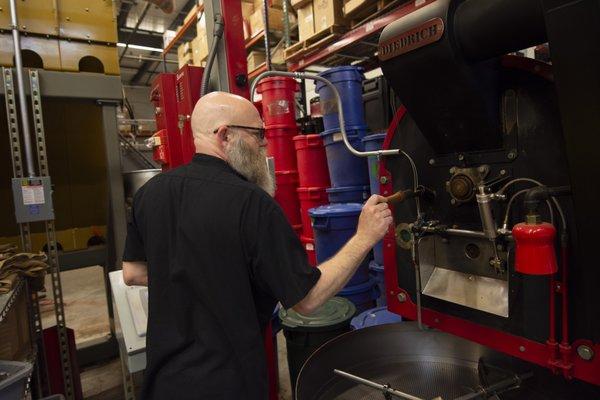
(187, 92)
(535, 253)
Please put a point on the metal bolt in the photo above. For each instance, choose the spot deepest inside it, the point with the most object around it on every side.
(401, 297)
(383, 180)
(87, 9)
(481, 169)
(499, 247)
(461, 157)
(453, 201)
(68, 18)
(585, 352)
(431, 161)
(511, 155)
(522, 349)
(502, 172)
(452, 170)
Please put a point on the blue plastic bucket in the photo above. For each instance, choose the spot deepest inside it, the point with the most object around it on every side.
(348, 194)
(348, 82)
(345, 169)
(333, 225)
(376, 270)
(375, 316)
(373, 143)
(363, 295)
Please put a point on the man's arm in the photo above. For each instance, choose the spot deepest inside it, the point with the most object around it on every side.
(373, 223)
(135, 273)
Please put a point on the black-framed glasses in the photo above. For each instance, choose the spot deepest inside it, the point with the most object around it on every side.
(259, 132)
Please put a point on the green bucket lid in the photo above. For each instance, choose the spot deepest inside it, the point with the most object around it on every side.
(336, 312)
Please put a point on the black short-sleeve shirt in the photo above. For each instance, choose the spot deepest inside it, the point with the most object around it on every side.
(220, 254)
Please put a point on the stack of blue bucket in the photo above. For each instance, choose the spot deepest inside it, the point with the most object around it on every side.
(373, 143)
(335, 224)
(348, 174)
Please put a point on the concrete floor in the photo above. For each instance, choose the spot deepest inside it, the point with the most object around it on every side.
(86, 313)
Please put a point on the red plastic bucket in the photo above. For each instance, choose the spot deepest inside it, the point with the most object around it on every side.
(280, 145)
(309, 246)
(278, 100)
(286, 195)
(312, 161)
(310, 197)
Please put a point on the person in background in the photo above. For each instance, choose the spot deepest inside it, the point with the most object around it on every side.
(217, 254)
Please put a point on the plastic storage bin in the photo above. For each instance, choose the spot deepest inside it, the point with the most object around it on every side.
(348, 82)
(362, 295)
(377, 272)
(310, 197)
(375, 316)
(286, 195)
(280, 145)
(348, 194)
(305, 334)
(345, 169)
(333, 225)
(373, 143)
(278, 96)
(309, 246)
(311, 160)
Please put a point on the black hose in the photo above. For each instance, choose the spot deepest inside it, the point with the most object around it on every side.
(218, 33)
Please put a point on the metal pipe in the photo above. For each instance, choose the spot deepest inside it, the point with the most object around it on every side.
(383, 388)
(218, 28)
(29, 163)
(463, 232)
(266, 37)
(133, 32)
(303, 76)
(146, 58)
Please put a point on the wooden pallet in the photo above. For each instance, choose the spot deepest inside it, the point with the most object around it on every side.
(368, 10)
(313, 43)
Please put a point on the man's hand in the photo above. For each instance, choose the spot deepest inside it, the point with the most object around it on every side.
(374, 221)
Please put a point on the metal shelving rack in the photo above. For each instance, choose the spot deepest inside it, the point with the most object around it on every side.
(359, 45)
(105, 92)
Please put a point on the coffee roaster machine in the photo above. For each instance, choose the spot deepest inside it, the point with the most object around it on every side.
(493, 252)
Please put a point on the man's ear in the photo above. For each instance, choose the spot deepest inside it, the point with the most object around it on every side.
(222, 134)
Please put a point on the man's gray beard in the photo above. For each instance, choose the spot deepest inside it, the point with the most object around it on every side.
(251, 164)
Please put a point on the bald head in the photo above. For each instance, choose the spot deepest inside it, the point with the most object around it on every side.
(217, 109)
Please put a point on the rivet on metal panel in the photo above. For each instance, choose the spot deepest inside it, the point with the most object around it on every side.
(401, 297)
(383, 180)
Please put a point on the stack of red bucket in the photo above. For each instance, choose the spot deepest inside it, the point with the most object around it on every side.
(279, 115)
(314, 180)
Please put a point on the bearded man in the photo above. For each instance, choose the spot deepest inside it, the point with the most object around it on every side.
(217, 254)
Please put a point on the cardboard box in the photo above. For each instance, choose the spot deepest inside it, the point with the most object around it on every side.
(327, 13)
(199, 50)
(247, 10)
(296, 4)
(306, 22)
(272, 4)
(183, 49)
(275, 20)
(354, 7)
(255, 59)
